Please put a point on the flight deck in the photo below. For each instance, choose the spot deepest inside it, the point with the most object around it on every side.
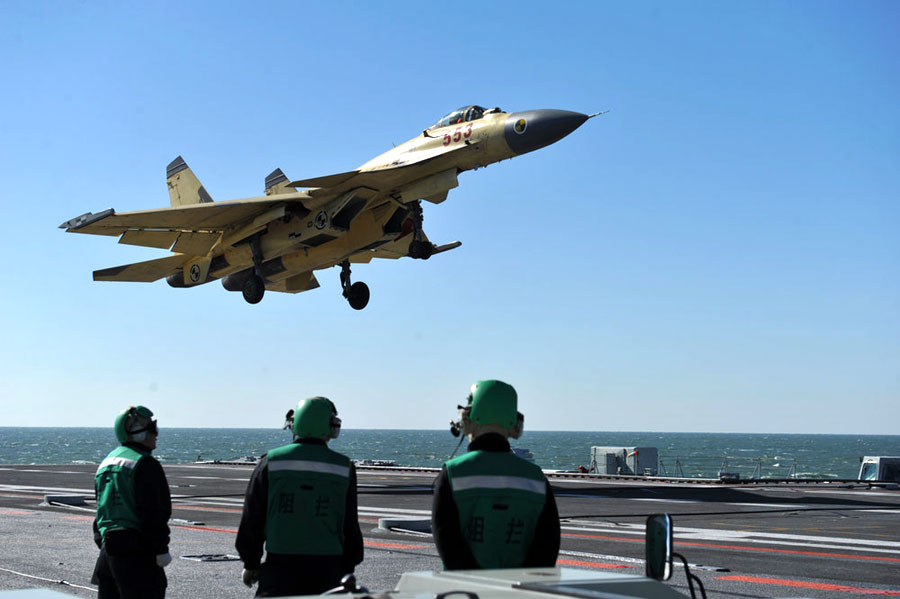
(784, 539)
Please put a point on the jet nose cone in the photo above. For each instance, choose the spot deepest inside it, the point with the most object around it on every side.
(533, 129)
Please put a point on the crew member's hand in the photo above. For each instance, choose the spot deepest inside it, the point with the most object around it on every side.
(250, 577)
(163, 559)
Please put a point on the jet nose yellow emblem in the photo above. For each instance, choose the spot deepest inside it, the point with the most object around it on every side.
(520, 126)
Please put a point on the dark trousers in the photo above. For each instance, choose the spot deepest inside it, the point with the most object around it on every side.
(129, 576)
(283, 575)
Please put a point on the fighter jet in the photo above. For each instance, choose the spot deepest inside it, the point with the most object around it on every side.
(275, 242)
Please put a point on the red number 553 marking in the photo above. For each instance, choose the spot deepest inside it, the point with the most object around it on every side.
(458, 134)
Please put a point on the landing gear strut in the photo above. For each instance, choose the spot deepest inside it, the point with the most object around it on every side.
(357, 294)
(419, 248)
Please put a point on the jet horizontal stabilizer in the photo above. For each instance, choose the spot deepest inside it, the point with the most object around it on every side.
(142, 272)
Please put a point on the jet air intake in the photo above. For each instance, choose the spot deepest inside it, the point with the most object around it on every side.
(235, 282)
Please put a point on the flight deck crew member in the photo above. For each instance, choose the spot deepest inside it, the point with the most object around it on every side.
(301, 504)
(491, 508)
(133, 510)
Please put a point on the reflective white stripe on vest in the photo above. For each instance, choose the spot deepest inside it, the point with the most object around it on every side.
(465, 483)
(123, 462)
(309, 466)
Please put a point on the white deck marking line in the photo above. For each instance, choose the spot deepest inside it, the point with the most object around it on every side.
(44, 490)
(394, 510)
(753, 537)
(49, 470)
(601, 556)
(855, 493)
(685, 532)
(176, 504)
(727, 503)
(837, 547)
(663, 500)
(624, 531)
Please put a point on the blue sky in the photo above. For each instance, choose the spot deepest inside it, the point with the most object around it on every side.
(719, 252)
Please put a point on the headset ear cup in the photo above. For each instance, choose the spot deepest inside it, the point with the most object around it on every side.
(465, 423)
(334, 427)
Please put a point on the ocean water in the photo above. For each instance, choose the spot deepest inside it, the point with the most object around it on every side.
(699, 454)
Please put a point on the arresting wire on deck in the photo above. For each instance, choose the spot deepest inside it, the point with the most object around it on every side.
(57, 581)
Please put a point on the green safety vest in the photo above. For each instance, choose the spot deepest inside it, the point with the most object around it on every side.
(114, 482)
(499, 497)
(308, 487)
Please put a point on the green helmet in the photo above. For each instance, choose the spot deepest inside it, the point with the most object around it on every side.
(316, 417)
(493, 402)
(125, 421)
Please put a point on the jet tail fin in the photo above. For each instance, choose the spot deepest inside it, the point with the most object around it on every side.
(184, 187)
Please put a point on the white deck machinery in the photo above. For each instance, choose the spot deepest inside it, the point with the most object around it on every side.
(634, 461)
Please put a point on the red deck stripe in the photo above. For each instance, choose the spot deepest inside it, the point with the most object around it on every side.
(877, 558)
(392, 545)
(207, 528)
(207, 509)
(811, 585)
(576, 536)
(576, 562)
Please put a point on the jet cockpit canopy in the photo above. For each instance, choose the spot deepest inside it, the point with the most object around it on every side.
(463, 115)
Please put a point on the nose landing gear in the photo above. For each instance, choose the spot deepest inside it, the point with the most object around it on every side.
(357, 294)
(419, 248)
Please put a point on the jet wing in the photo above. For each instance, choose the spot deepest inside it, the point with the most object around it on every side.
(406, 169)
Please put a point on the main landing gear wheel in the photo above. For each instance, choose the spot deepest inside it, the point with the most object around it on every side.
(253, 289)
(421, 250)
(357, 294)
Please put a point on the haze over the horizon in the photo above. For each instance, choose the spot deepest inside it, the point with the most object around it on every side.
(720, 252)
